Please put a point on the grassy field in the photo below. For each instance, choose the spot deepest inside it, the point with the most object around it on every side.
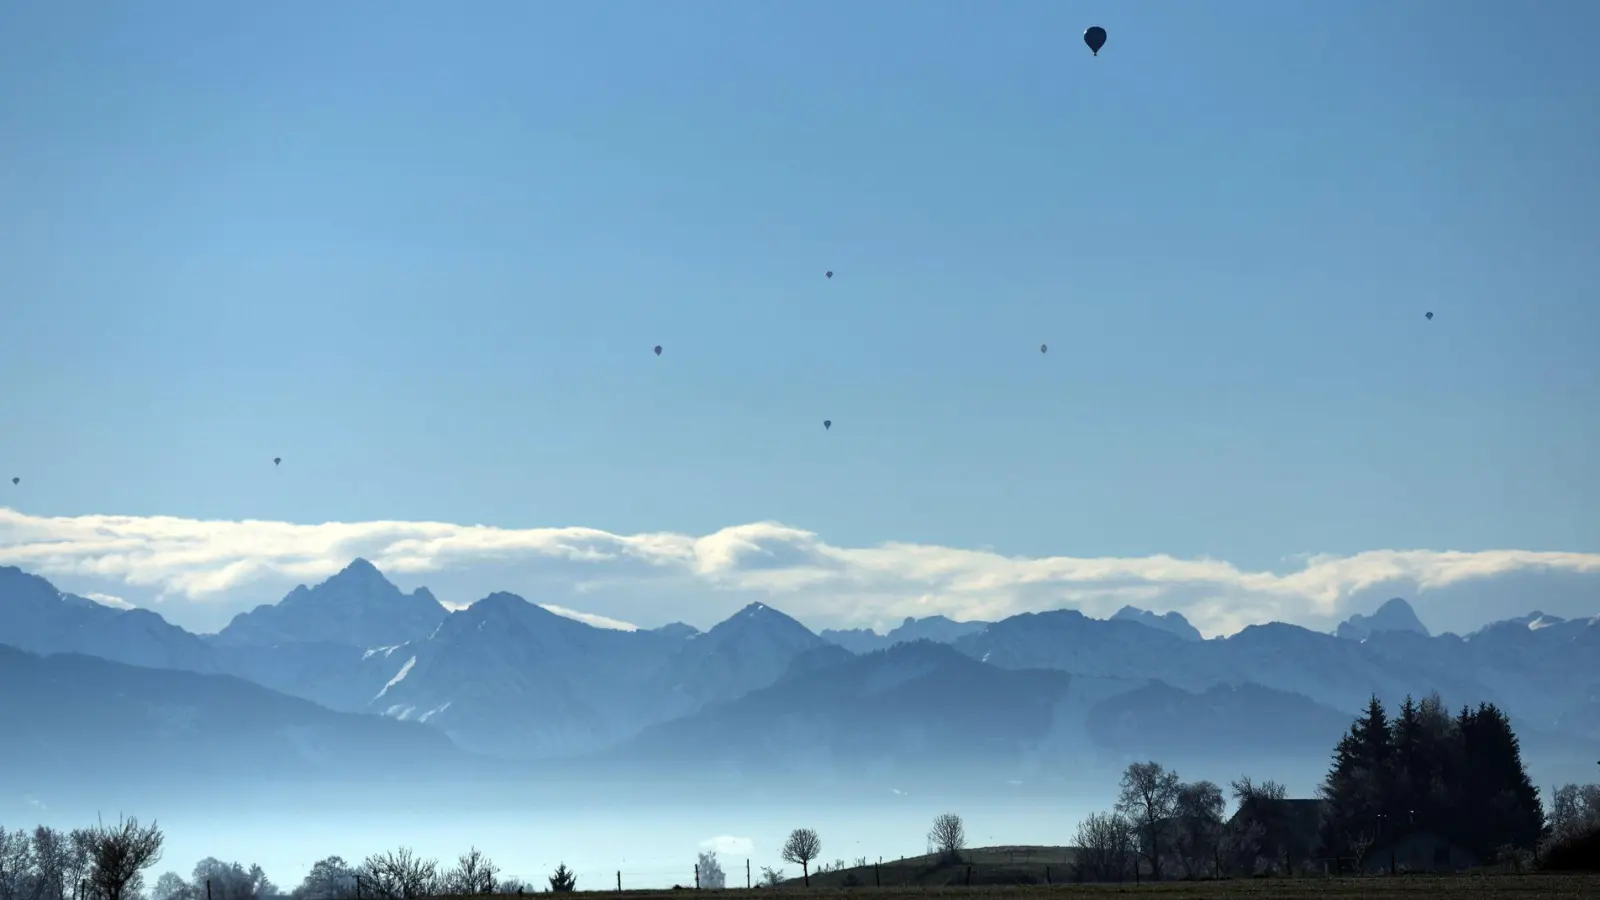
(1410, 887)
(1026, 873)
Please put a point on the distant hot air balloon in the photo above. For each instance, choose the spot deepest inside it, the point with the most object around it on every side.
(1430, 315)
(16, 481)
(1044, 348)
(658, 349)
(1095, 37)
(827, 423)
(276, 460)
(829, 274)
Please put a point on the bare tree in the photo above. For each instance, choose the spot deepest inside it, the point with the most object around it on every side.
(1149, 799)
(1238, 848)
(1198, 811)
(80, 858)
(120, 853)
(329, 879)
(948, 836)
(172, 886)
(801, 848)
(399, 875)
(1574, 809)
(52, 858)
(16, 864)
(563, 880)
(1261, 810)
(474, 874)
(711, 874)
(771, 877)
(230, 881)
(1105, 847)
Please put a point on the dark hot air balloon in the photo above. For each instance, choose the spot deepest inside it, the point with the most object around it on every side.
(276, 460)
(658, 349)
(829, 274)
(827, 423)
(1430, 315)
(16, 481)
(1044, 348)
(1095, 37)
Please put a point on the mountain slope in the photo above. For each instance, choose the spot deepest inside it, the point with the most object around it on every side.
(357, 607)
(506, 676)
(921, 709)
(1394, 615)
(1172, 622)
(747, 651)
(1216, 728)
(38, 618)
(879, 713)
(71, 718)
(932, 628)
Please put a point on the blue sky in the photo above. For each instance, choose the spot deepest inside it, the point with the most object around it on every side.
(422, 252)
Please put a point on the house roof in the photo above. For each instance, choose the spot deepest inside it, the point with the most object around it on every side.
(1302, 816)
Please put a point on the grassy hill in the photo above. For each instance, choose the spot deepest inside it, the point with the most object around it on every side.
(1410, 887)
(979, 866)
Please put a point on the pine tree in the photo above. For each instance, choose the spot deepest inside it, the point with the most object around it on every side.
(563, 880)
(1358, 788)
(1498, 802)
(1409, 770)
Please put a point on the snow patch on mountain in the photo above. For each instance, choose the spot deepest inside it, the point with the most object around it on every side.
(399, 677)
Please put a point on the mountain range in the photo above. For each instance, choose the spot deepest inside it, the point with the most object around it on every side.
(759, 692)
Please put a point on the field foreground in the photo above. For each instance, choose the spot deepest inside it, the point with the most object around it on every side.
(1409, 887)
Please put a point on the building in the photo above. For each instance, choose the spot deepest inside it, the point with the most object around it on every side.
(1291, 832)
(1418, 851)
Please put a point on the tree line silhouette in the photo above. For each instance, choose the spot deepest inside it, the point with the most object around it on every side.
(1456, 780)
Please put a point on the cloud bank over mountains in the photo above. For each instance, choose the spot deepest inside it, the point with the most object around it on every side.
(199, 573)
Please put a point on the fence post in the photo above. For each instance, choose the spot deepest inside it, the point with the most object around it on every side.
(877, 877)
(208, 889)
(619, 881)
(969, 875)
(747, 873)
(697, 876)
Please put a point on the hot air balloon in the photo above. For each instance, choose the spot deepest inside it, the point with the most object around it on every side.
(827, 423)
(276, 460)
(1429, 316)
(829, 274)
(658, 349)
(16, 481)
(1044, 348)
(1095, 37)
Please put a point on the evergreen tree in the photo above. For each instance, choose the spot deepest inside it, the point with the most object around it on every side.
(1409, 770)
(1498, 802)
(563, 880)
(1359, 784)
(1461, 778)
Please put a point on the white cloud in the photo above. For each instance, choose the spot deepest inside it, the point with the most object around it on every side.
(728, 845)
(597, 621)
(664, 576)
(110, 600)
